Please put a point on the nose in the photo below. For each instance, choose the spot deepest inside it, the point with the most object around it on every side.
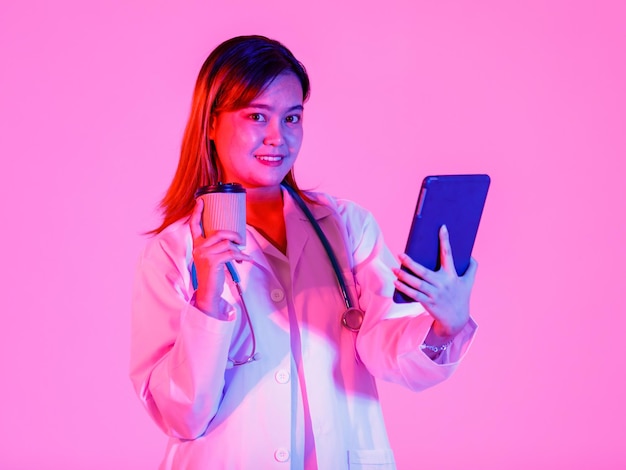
(274, 133)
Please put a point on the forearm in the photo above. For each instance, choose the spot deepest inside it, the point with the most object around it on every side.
(391, 350)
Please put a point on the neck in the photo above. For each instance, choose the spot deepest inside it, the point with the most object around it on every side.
(264, 195)
(263, 204)
(264, 211)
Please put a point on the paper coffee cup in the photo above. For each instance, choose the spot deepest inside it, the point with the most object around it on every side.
(224, 208)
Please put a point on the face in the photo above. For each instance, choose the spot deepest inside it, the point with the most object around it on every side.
(258, 145)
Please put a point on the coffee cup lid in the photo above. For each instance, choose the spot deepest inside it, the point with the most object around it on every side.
(221, 188)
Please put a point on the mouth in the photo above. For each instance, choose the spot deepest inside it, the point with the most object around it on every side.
(270, 158)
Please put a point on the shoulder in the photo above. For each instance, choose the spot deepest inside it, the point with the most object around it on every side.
(340, 205)
(362, 233)
(163, 270)
(173, 243)
(355, 217)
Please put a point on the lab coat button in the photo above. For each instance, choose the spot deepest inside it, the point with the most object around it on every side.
(282, 376)
(281, 454)
(277, 295)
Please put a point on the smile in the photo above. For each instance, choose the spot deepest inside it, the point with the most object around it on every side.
(269, 158)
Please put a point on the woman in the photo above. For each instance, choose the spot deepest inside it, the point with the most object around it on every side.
(270, 378)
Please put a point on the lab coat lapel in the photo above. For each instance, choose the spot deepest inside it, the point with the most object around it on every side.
(299, 228)
(255, 250)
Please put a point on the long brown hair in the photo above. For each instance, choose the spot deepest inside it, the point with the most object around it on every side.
(233, 75)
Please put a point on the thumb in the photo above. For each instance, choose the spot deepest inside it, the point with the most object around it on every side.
(470, 274)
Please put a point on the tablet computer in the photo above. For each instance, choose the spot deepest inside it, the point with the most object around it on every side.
(456, 201)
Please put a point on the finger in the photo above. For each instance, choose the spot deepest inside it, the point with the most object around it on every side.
(195, 220)
(220, 259)
(416, 268)
(445, 253)
(216, 236)
(415, 282)
(470, 274)
(410, 292)
(215, 245)
(214, 262)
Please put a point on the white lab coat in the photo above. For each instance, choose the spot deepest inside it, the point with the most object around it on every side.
(244, 417)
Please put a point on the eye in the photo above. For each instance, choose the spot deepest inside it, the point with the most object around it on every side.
(258, 117)
(293, 118)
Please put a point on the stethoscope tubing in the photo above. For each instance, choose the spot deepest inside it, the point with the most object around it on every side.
(329, 251)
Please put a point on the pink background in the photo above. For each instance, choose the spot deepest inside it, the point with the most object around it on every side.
(93, 99)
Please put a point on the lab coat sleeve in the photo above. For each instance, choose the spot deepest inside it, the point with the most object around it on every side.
(178, 354)
(390, 337)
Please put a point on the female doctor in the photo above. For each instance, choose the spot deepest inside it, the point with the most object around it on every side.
(242, 354)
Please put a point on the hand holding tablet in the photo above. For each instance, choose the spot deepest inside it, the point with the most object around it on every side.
(455, 201)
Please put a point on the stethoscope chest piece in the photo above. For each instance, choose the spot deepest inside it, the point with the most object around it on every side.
(352, 319)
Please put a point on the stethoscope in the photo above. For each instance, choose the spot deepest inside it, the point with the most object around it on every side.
(352, 317)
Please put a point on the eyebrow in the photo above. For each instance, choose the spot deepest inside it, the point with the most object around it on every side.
(297, 107)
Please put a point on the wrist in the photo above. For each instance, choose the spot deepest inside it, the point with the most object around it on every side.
(435, 343)
(436, 349)
(438, 334)
(446, 331)
(210, 307)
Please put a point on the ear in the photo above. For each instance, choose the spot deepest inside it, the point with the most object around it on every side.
(211, 130)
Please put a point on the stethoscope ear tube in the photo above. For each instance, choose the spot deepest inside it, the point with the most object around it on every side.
(352, 318)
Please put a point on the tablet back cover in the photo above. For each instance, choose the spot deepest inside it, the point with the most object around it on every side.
(456, 201)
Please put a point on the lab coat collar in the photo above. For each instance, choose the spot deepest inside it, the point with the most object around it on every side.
(319, 209)
(298, 227)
